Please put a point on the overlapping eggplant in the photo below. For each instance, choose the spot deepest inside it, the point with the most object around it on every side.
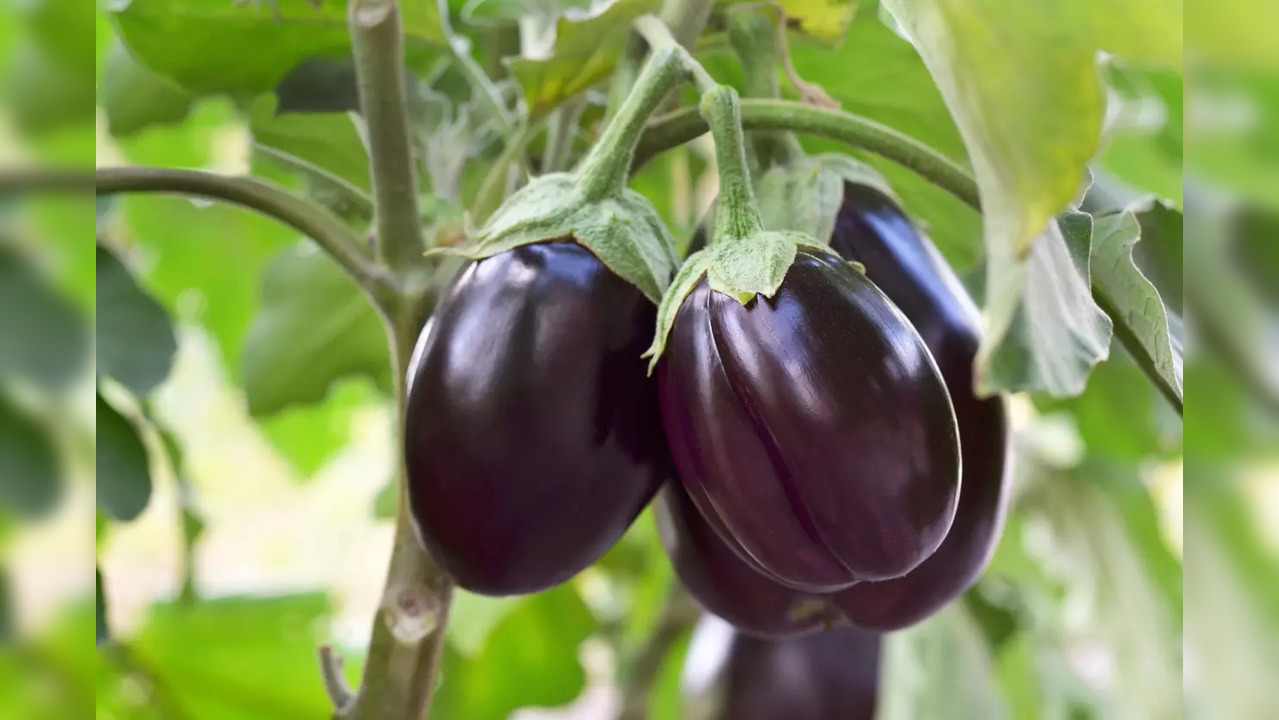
(812, 428)
(533, 435)
(832, 675)
(872, 230)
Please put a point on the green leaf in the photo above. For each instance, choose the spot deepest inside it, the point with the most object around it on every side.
(939, 670)
(537, 643)
(690, 273)
(124, 473)
(45, 96)
(825, 20)
(103, 630)
(328, 142)
(207, 262)
(135, 98)
(310, 435)
(31, 477)
(315, 327)
(878, 75)
(1031, 120)
(806, 196)
(42, 337)
(585, 53)
(238, 657)
(1133, 300)
(1233, 32)
(7, 624)
(472, 619)
(136, 344)
(319, 85)
(211, 46)
(1044, 332)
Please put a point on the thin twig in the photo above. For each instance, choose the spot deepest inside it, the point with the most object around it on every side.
(335, 684)
(308, 218)
(685, 124)
(377, 42)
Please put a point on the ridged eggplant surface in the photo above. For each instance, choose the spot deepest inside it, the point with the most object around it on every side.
(533, 435)
(812, 429)
(872, 230)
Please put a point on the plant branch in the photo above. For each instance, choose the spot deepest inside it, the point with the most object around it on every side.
(308, 218)
(678, 617)
(408, 630)
(377, 42)
(334, 679)
(685, 124)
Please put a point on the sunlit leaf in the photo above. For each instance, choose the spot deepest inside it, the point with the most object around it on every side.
(210, 46)
(585, 53)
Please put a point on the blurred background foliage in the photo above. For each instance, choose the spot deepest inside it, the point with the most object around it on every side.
(240, 391)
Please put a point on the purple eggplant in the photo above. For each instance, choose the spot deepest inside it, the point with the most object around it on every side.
(872, 230)
(533, 434)
(832, 675)
(812, 429)
(726, 586)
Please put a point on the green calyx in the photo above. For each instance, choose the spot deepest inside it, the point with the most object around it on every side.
(592, 205)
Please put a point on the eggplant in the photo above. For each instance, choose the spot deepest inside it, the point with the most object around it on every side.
(812, 429)
(533, 435)
(872, 230)
(723, 584)
(832, 675)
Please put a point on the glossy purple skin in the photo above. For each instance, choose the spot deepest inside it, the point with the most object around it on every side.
(533, 435)
(832, 675)
(723, 584)
(872, 230)
(812, 429)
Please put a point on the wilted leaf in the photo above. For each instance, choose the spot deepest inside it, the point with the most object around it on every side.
(135, 98)
(585, 53)
(124, 473)
(1044, 332)
(1133, 301)
(136, 344)
(210, 46)
(42, 337)
(315, 327)
(30, 471)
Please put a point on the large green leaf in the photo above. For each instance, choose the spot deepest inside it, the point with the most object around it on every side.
(30, 471)
(238, 657)
(136, 344)
(315, 327)
(1044, 330)
(135, 98)
(877, 74)
(123, 468)
(43, 339)
(1031, 120)
(530, 659)
(1132, 300)
(585, 53)
(210, 46)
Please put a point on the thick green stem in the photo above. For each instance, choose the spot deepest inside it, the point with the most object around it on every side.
(685, 124)
(605, 169)
(377, 42)
(308, 218)
(738, 215)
